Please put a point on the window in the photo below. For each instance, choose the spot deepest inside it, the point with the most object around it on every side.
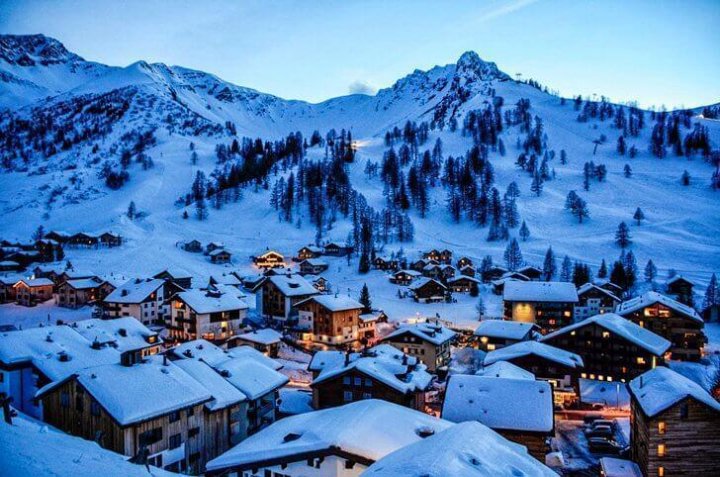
(606, 334)
(191, 412)
(368, 382)
(367, 396)
(151, 437)
(79, 403)
(358, 381)
(661, 428)
(174, 416)
(640, 360)
(347, 380)
(661, 450)
(65, 399)
(347, 396)
(194, 432)
(684, 411)
(661, 471)
(175, 441)
(94, 408)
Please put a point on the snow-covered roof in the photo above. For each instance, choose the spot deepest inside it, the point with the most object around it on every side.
(328, 359)
(9, 263)
(39, 449)
(662, 388)
(518, 290)
(463, 277)
(512, 330)
(503, 369)
(534, 348)
(412, 273)
(468, 449)
(312, 248)
(622, 327)
(143, 391)
(11, 279)
(223, 393)
(226, 279)
(678, 278)
(422, 281)
(369, 429)
(315, 262)
(650, 298)
(204, 302)
(213, 354)
(607, 393)
(612, 467)
(84, 283)
(335, 302)
(37, 282)
(295, 401)
(293, 285)
(500, 403)
(369, 317)
(175, 273)
(219, 251)
(135, 290)
(73, 274)
(265, 336)
(591, 286)
(57, 351)
(123, 334)
(433, 333)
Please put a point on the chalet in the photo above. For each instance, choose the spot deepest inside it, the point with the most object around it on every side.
(253, 282)
(432, 270)
(82, 239)
(48, 271)
(193, 246)
(72, 274)
(269, 259)
(386, 263)
(10, 266)
(58, 236)
(675, 425)
(496, 334)
(109, 239)
(207, 314)
(503, 369)
(279, 295)
(521, 410)
(154, 407)
(353, 437)
(30, 292)
(309, 251)
(616, 290)
(670, 319)
(382, 372)
(531, 272)
(367, 327)
(133, 340)
(213, 246)
(593, 300)
(494, 272)
(320, 283)
(428, 290)
(404, 277)
(548, 363)
(246, 369)
(499, 284)
(82, 291)
(464, 262)
(330, 319)
(420, 264)
(8, 293)
(338, 249)
(429, 342)
(179, 278)
(468, 271)
(225, 279)
(612, 348)
(141, 298)
(463, 284)
(265, 340)
(220, 256)
(467, 449)
(681, 289)
(441, 256)
(312, 266)
(547, 304)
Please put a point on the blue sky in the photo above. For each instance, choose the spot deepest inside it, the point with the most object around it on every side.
(656, 52)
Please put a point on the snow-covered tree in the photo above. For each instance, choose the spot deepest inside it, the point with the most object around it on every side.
(650, 271)
(524, 232)
(602, 271)
(639, 215)
(513, 256)
(365, 299)
(566, 270)
(549, 266)
(622, 235)
(712, 294)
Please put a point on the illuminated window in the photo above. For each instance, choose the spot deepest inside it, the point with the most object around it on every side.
(606, 334)
(567, 314)
(661, 471)
(583, 375)
(661, 427)
(592, 376)
(491, 347)
(661, 450)
(640, 360)
(572, 333)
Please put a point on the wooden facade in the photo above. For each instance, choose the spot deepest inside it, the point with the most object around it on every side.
(429, 291)
(536, 442)
(332, 327)
(593, 300)
(70, 295)
(308, 251)
(30, 294)
(681, 289)
(270, 259)
(549, 316)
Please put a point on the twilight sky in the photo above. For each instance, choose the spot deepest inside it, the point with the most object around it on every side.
(658, 52)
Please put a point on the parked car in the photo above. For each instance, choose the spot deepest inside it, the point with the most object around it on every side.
(602, 422)
(600, 431)
(601, 445)
(590, 418)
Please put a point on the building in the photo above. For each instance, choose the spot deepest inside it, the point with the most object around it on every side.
(367, 327)
(521, 410)
(30, 292)
(265, 340)
(464, 262)
(463, 284)
(313, 266)
(593, 300)
(109, 239)
(193, 246)
(382, 372)
(404, 277)
(212, 315)
(468, 449)
(499, 284)
(678, 323)
(612, 347)
(547, 304)
(386, 263)
(309, 251)
(495, 334)
(220, 256)
(280, 293)
(531, 272)
(681, 289)
(494, 272)
(269, 259)
(441, 256)
(468, 271)
(8, 293)
(82, 239)
(337, 442)
(429, 342)
(81, 292)
(561, 368)
(213, 246)
(143, 298)
(428, 290)
(10, 266)
(133, 340)
(225, 279)
(330, 319)
(338, 249)
(180, 278)
(675, 425)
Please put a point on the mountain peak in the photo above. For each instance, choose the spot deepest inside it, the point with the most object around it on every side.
(470, 62)
(31, 50)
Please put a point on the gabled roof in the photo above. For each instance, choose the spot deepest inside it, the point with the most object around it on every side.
(423, 281)
(135, 290)
(293, 285)
(204, 302)
(504, 369)
(315, 262)
(461, 278)
(219, 251)
(368, 429)
(36, 282)
(334, 302)
(263, 336)
(622, 327)
(555, 292)
(174, 272)
(123, 334)
(433, 333)
(223, 393)
(214, 355)
(591, 286)
(678, 278)
(412, 273)
(534, 348)
(661, 388)
(500, 403)
(84, 283)
(468, 449)
(11, 279)
(512, 330)
(651, 298)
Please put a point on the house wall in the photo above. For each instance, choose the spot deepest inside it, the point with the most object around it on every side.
(330, 327)
(31, 296)
(685, 334)
(429, 354)
(534, 441)
(331, 466)
(355, 386)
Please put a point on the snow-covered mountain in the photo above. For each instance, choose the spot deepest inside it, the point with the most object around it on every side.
(65, 118)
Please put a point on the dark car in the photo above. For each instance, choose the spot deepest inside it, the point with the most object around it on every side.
(601, 445)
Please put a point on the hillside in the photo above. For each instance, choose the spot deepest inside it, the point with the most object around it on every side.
(90, 113)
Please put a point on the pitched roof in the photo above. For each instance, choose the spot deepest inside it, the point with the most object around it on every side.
(661, 388)
(204, 302)
(534, 348)
(562, 292)
(37, 282)
(678, 278)
(174, 273)
(504, 369)
(293, 285)
(264, 336)
(433, 333)
(123, 334)
(223, 393)
(422, 281)
(84, 283)
(368, 429)
(513, 330)
(622, 327)
(213, 354)
(650, 298)
(500, 403)
(135, 290)
(468, 449)
(335, 302)
(591, 286)
(315, 262)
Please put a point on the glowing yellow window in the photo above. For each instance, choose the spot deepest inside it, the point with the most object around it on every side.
(661, 471)
(661, 427)
(640, 360)
(491, 347)
(583, 375)
(661, 450)
(606, 334)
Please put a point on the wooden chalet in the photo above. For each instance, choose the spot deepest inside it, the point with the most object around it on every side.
(612, 347)
(678, 323)
(463, 284)
(367, 327)
(10, 266)
(531, 272)
(177, 277)
(404, 277)
(386, 263)
(80, 292)
(675, 425)
(681, 289)
(419, 265)
(269, 259)
(208, 314)
(109, 239)
(213, 246)
(82, 239)
(593, 300)
(616, 290)
(144, 299)
(279, 295)
(468, 271)
(429, 342)
(441, 256)
(547, 304)
(30, 292)
(308, 251)
(265, 340)
(57, 235)
(428, 290)
(494, 272)
(193, 246)
(495, 334)
(220, 256)
(313, 266)
(8, 292)
(330, 319)
(464, 262)
(337, 249)
(498, 286)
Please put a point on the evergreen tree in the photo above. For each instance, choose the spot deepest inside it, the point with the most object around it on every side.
(201, 209)
(185, 214)
(627, 170)
(513, 191)
(602, 271)
(581, 274)
(524, 232)
(631, 269)
(639, 216)
(513, 256)
(39, 233)
(563, 157)
(549, 266)
(650, 271)
(621, 147)
(712, 294)
(537, 184)
(59, 253)
(364, 263)
(365, 299)
(480, 308)
(617, 275)
(566, 270)
(131, 211)
(622, 235)
(685, 179)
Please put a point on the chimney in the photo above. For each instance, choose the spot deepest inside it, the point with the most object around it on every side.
(347, 359)
(122, 332)
(165, 360)
(95, 344)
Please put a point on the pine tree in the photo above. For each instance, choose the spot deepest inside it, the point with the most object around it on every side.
(480, 308)
(524, 232)
(537, 184)
(581, 274)
(631, 269)
(622, 235)
(602, 271)
(185, 214)
(549, 265)
(566, 270)
(712, 294)
(627, 170)
(131, 211)
(685, 179)
(365, 299)
(513, 256)
(59, 253)
(39, 233)
(563, 157)
(639, 216)
(650, 271)
(617, 275)
(364, 263)
(621, 147)
(201, 210)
